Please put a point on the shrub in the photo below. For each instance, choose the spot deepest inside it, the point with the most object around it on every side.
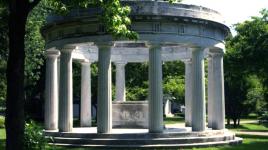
(34, 138)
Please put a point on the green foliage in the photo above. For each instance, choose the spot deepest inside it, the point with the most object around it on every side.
(137, 93)
(3, 85)
(114, 16)
(34, 47)
(2, 122)
(246, 73)
(34, 138)
(77, 79)
(173, 68)
(137, 81)
(116, 19)
(136, 74)
(3, 51)
(255, 101)
(174, 86)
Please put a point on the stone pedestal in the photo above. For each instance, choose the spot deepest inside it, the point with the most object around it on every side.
(120, 89)
(198, 94)
(131, 114)
(188, 93)
(155, 91)
(104, 110)
(66, 90)
(51, 90)
(85, 111)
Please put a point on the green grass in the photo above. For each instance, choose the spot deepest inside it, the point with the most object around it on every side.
(2, 134)
(250, 127)
(2, 138)
(250, 142)
(173, 120)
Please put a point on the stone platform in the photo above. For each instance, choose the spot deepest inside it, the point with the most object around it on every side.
(140, 138)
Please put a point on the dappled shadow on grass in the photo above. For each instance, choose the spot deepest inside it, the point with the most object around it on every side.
(257, 145)
(265, 124)
(249, 127)
(239, 127)
(257, 137)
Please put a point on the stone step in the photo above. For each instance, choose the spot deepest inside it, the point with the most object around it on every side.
(118, 136)
(234, 141)
(142, 141)
(133, 136)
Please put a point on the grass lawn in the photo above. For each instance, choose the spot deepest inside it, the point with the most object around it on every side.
(2, 138)
(250, 142)
(173, 120)
(250, 127)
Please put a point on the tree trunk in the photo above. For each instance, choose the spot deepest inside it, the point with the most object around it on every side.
(234, 120)
(228, 121)
(15, 75)
(238, 121)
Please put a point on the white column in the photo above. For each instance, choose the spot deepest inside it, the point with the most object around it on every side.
(210, 92)
(85, 111)
(120, 81)
(104, 110)
(218, 121)
(66, 90)
(198, 94)
(155, 91)
(188, 93)
(51, 91)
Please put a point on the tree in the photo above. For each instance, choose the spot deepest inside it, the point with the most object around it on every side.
(116, 22)
(246, 63)
(3, 52)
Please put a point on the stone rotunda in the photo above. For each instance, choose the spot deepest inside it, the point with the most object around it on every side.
(168, 32)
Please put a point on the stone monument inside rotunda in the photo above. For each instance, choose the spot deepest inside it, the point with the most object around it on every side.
(168, 32)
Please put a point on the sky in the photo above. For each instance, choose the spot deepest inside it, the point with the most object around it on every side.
(233, 11)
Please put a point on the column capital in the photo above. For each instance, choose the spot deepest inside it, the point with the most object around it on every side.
(209, 57)
(52, 53)
(67, 48)
(217, 54)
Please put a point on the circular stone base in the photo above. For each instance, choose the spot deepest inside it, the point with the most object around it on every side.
(140, 138)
